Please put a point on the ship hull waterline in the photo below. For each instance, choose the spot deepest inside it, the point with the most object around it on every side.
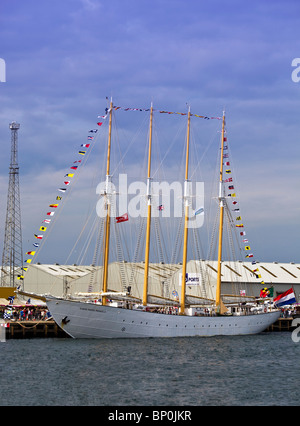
(93, 321)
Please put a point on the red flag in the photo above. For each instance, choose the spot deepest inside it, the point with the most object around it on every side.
(263, 292)
(122, 218)
(99, 124)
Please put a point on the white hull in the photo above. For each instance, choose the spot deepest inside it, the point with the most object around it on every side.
(88, 320)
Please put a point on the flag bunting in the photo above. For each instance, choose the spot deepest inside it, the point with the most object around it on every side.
(75, 165)
(229, 187)
(63, 189)
(164, 112)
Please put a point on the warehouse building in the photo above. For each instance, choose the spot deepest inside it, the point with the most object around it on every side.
(164, 279)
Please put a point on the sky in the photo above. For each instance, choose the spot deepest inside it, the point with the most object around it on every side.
(63, 58)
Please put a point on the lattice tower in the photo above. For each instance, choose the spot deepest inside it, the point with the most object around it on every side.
(12, 257)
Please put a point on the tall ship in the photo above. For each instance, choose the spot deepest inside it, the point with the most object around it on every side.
(104, 311)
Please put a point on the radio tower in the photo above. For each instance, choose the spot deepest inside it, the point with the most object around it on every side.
(12, 258)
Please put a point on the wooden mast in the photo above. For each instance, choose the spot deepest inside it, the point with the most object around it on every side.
(108, 209)
(219, 303)
(147, 249)
(186, 219)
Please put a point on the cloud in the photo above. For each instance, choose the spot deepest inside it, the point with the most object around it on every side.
(64, 58)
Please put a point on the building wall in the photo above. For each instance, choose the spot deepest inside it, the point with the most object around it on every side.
(60, 280)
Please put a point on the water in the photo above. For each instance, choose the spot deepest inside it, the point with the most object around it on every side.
(241, 370)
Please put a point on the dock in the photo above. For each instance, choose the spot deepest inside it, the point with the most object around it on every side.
(282, 324)
(30, 329)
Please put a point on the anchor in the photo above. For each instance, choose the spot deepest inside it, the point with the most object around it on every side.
(65, 321)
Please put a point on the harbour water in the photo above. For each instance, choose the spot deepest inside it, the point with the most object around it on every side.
(259, 370)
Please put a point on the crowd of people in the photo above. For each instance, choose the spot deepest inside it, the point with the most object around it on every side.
(24, 313)
(289, 312)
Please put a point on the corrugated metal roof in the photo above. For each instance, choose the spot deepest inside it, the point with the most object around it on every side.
(271, 272)
(69, 270)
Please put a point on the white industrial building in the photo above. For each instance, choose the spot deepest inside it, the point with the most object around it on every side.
(64, 280)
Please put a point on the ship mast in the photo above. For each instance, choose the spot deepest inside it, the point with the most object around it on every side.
(221, 219)
(108, 209)
(186, 203)
(146, 271)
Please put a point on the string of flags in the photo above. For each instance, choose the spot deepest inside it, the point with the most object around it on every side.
(67, 180)
(230, 192)
(167, 112)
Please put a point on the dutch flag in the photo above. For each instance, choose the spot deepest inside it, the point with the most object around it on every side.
(286, 298)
